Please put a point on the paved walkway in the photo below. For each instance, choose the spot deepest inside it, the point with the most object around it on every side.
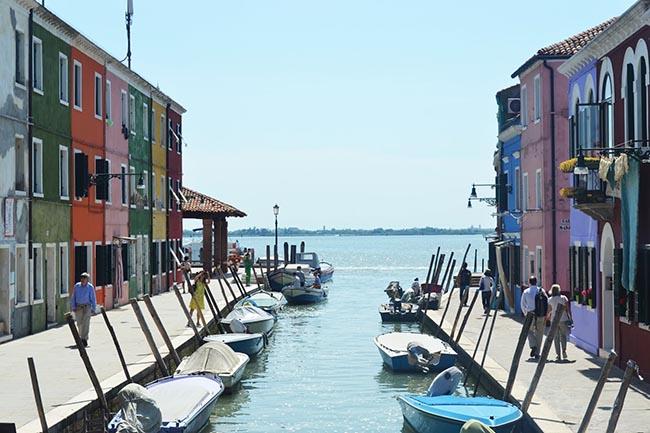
(64, 384)
(565, 388)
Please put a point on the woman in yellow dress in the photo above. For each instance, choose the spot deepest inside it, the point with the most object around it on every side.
(198, 300)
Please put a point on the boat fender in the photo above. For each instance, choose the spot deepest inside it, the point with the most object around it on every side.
(265, 338)
(250, 303)
(445, 382)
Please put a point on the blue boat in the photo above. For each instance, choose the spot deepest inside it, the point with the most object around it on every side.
(250, 344)
(448, 413)
(393, 348)
(185, 402)
(304, 295)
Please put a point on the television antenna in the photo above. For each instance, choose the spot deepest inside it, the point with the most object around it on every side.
(129, 20)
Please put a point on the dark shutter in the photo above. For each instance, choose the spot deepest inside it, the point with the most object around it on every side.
(156, 257)
(643, 285)
(80, 175)
(517, 264)
(502, 192)
(594, 277)
(101, 187)
(100, 265)
(125, 262)
(620, 293)
(582, 273)
(80, 262)
(164, 255)
(572, 273)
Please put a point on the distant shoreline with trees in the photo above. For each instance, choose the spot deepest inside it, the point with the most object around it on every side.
(294, 231)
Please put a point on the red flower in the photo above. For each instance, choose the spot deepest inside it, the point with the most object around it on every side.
(584, 293)
(621, 301)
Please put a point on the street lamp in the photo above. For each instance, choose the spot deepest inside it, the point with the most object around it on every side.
(276, 211)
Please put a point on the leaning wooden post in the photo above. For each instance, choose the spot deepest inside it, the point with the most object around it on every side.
(519, 350)
(223, 293)
(475, 259)
(238, 283)
(604, 374)
(37, 394)
(232, 292)
(149, 337)
(117, 345)
(241, 283)
(89, 367)
(542, 361)
(487, 343)
(620, 397)
(187, 315)
(215, 311)
(161, 329)
(478, 343)
(426, 281)
(453, 327)
(257, 280)
(466, 318)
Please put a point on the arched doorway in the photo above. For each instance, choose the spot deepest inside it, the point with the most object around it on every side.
(607, 293)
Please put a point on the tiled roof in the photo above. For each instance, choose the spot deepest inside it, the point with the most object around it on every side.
(203, 204)
(572, 45)
(567, 47)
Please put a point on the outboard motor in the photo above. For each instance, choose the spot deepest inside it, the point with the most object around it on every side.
(445, 382)
(420, 357)
(140, 412)
(237, 327)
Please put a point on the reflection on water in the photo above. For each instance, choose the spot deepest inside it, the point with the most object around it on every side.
(321, 371)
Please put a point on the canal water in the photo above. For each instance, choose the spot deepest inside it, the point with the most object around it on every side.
(321, 371)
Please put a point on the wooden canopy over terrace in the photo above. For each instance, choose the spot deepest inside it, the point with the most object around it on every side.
(213, 213)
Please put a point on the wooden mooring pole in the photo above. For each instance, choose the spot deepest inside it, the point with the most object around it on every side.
(223, 277)
(37, 394)
(187, 315)
(519, 350)
(475, 260)
(149, 337)
(161, 329)
(285, 248)
(544, 355)
(466, 317)
(89, 367)
(117, 345)
(630, 369)
(223, 292)
(292, 258)
(604, 374)
(487, 342)
(478, 343)
(238, 281)
(214, 305)
(268, 259)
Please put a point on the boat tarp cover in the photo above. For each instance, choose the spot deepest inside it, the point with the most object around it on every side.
(213, 357)
(140, 411)
(473, 426)
(247, 313)
(180, 397)
(398, 342)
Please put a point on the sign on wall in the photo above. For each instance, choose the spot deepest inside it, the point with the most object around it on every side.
(9, 217)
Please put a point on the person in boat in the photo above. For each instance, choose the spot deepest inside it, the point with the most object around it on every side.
(301, 275)
(295, 281)
(417, 289)
(409, 295)
(198, 299)
(316, 284)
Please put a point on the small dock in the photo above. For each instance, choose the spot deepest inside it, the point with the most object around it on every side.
(565, 388)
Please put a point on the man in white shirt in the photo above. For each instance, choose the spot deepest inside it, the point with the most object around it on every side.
(536, 331)
(416, 287)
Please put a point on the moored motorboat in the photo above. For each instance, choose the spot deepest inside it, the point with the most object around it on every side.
(309, 263)
(256, 320)
(405, 312)
(448, 413)
(215, 358)
(250, 344)
(304, 295)
(271, 302)
(403, 351)
(185, 402)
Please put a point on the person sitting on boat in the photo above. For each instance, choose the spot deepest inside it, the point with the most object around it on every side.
(316, 284)
(416, 287)
(295, 281)
(301, 275)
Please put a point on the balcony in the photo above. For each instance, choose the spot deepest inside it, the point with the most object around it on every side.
(590, 197)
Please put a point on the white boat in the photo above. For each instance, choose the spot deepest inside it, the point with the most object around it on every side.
(256, 320)
(215, 358)
(304, 295)
(250, 344)
(271, 302)
(394, 350)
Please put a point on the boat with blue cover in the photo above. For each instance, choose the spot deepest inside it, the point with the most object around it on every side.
(448, 413)
(304, 295)
(408, 352)
(250, 344)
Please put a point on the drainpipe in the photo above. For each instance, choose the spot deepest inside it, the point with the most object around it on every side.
(30, 133)
(553, 179)
(169, 276)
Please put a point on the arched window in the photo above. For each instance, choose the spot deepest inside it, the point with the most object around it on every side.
(643, 105)
(629, 103)
(608, 113)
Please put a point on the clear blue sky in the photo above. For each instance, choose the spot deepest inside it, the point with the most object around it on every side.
(347, 113)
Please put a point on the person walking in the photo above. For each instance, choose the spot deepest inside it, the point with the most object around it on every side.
(83, 304)
(555, 299)
(535, 299)
(186, 269)
(485, 286)
(464, 279)
(198, 299)
(248, 263)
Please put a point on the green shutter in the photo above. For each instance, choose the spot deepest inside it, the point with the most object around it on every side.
(620, 293)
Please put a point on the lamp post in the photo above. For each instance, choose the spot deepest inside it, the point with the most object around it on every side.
(276, 211)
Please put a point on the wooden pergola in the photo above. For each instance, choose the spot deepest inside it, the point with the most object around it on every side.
(213, 213)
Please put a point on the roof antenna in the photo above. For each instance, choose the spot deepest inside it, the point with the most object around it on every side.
(129, 20)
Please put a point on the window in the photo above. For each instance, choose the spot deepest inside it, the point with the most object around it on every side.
(103, 264)
(20, 57)
(109, 103)
(538, 189)
(37, 64)
(21, 164)
(81, 263)
(152, 125)
(125, 111)
(539, 266)
(108, 182)
(37, 167)
(132, 189)
(22, 288)
(524, 106)
(132, 114)
(145, 121)
(517, 188)
(537, 98)
(642, 106)
(64, 173)
(171, 195)
(101, 186)
(584, 274)
(64, 92)
(80, 175)
(178, 195)
(37, 282)
(77, 76)
(629, 103)
(145, 191)
(162, 130)
(64, 269)
(162, 192)
(154, 194)
(179, 140)
(123, 185)
(524, 192)
(608, 113)
(170, 132)
(98, 96)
